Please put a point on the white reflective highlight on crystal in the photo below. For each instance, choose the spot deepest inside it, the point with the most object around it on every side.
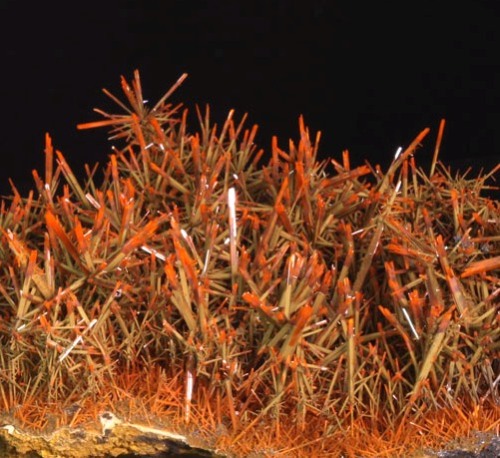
(76, 341)
(149, 250)
(412, 327)
(231, 203)
(92, 201)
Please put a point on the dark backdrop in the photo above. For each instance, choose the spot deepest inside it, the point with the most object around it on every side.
(369, 74)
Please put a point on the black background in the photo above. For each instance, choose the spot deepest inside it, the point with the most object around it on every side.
(369, 75)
